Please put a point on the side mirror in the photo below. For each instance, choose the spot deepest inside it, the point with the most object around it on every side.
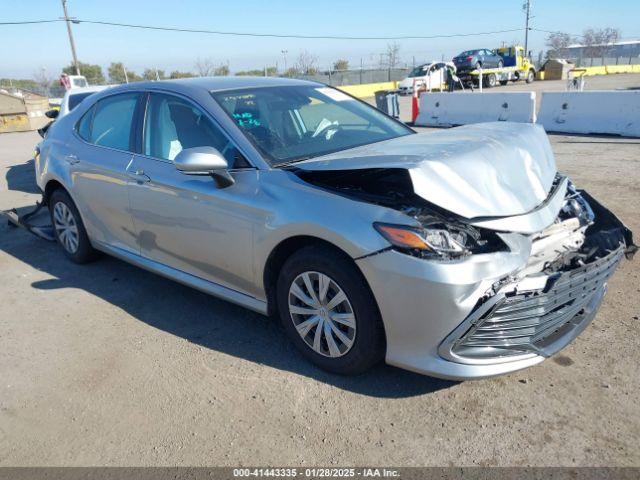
(204, 161)
(53, 113)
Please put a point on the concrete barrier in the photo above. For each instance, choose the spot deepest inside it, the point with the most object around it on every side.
(605, 112)
(447, 109)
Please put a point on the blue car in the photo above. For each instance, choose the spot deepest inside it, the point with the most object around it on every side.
(474, 59)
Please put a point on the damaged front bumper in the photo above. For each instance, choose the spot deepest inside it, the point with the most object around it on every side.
(477, 317)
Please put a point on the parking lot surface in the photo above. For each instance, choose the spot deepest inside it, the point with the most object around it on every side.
(106, 364)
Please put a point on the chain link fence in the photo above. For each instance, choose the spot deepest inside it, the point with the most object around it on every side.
(357, 77)
(601, 61)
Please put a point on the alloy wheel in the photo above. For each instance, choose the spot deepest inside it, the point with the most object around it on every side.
(66, 227)
(322, 314)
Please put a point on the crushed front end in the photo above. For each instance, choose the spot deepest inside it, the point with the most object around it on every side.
(540, 309)
(481, 313)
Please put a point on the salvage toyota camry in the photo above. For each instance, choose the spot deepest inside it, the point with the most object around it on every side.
(458, 254)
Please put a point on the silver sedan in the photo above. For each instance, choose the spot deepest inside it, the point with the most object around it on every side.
(459, 254)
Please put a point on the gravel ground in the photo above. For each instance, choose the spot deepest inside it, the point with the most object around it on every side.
(106, 364)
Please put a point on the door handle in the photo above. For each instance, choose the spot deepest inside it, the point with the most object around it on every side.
(72, 159)
(139, 176)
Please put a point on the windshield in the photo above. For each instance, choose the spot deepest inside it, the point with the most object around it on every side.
(417, 72)
(293, 123)
(79, 82)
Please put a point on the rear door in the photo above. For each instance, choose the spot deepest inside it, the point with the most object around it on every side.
(102, 147)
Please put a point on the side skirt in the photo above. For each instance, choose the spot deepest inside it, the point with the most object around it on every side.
(179, 276)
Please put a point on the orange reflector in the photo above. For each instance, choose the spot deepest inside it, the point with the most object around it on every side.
(401, 237)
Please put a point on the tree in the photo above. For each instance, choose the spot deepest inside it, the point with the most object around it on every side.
(153, 74)
(292, 72)
(43, 79)
(270, 72)
(250, 73)
(222, 70)
(178, 74)
(598, 41)
(204, 67)
(392, 55)
(557, 42)
(117, 74)
(306, 64)
(93, 73)
(341, 65)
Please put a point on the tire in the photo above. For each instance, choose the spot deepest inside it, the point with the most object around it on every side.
(66, 218)
(360, 324)
(531, 76)
(504, 82)
(491, 80)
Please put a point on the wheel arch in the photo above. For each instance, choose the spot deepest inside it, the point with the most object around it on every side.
(51, 186)
(282, 251)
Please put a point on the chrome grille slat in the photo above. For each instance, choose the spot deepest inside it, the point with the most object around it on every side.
(524, 319)
(556, 294)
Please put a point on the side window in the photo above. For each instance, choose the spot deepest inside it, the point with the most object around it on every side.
(173, 124)
(109, 122)
(84, 125)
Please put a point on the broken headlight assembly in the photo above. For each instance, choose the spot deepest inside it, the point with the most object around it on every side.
(440, 240)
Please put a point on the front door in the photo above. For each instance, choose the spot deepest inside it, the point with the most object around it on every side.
(186, 221)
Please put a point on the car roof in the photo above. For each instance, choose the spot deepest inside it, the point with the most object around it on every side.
(92, 89)
(215, 84)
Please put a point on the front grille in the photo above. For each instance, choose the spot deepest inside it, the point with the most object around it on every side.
(524, 322)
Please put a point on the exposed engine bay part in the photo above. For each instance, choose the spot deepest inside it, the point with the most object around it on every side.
(436, 233)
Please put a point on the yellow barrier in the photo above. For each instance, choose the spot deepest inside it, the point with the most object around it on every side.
(609, 69)
(368, 89)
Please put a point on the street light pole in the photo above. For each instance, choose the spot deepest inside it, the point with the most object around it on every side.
(73, 45)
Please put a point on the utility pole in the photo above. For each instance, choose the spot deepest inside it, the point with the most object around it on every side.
(284, 54)
(73, 45)
(527, 8)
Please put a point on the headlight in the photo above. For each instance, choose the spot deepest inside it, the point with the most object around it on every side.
(433, 241)
(439, 240)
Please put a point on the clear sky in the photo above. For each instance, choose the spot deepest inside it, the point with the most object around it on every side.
(25, 49)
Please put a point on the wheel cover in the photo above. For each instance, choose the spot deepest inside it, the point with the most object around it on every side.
(322, 314)
(66, 227)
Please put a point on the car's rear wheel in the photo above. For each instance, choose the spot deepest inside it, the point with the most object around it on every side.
(69, 229)
(329, 312)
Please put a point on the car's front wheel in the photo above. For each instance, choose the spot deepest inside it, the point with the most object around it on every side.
(329, 312)
(70, 231)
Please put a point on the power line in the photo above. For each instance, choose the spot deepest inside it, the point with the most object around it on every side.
(272, 35)
(27, 22)
(277, 35)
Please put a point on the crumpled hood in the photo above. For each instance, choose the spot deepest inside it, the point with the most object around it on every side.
(493, 169)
